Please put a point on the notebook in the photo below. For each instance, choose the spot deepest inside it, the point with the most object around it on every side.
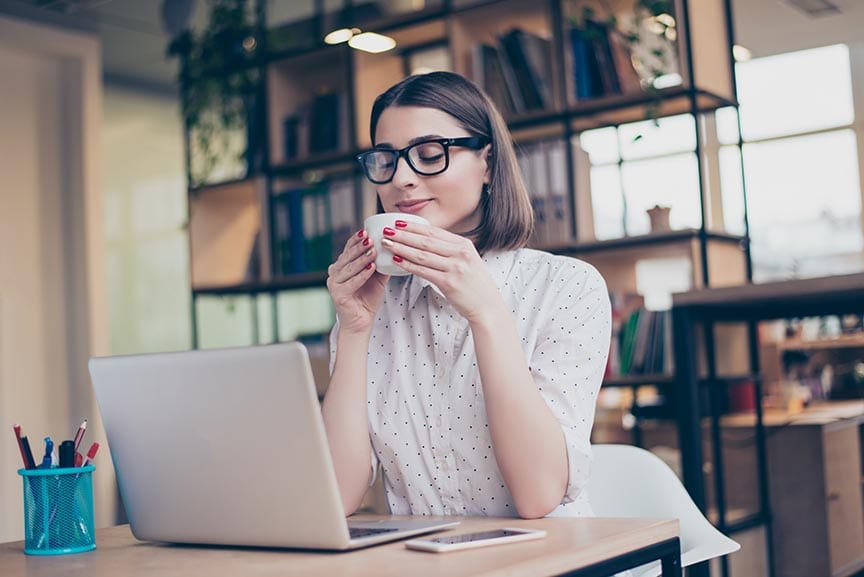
(227, 447)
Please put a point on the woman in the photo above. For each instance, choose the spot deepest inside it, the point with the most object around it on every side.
(476, 376)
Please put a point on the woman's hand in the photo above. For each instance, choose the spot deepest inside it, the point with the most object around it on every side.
(449, 261)
(357, 291)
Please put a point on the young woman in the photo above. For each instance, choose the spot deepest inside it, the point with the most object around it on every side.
(473, 380)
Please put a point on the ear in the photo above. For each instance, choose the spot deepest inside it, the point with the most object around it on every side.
(486, 157)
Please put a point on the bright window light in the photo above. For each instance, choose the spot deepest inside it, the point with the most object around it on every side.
(795, 92)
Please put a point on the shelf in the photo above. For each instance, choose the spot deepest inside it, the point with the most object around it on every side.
(854, 341)
(630, 242)
(330, 160)
(796, 298)
(638, 380)
(316, 279)
(212, 186)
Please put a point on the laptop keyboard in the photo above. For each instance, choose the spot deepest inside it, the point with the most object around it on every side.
(357, 532)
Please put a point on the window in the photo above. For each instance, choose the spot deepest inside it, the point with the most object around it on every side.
(637, 166)
(800, 155)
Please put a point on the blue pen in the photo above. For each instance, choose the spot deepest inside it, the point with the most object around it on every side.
(49, 449)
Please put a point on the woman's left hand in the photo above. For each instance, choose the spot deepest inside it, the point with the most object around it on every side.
(449, 261)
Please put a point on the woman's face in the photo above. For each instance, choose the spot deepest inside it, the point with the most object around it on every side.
(450, 200)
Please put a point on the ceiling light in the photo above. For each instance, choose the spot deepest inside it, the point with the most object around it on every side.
(341, 35)
(741, 54)
(371, 42)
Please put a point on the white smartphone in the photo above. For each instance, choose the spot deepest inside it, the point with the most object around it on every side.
(446, 543)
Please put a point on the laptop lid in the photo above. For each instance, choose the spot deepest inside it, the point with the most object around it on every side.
(221, 446)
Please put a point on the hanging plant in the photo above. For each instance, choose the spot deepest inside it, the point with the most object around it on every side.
(218, 87)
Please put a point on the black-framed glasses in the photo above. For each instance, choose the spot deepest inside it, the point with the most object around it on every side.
(426, 158)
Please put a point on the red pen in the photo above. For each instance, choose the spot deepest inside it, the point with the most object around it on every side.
(90, 454)
(80, 434)
(24, 448)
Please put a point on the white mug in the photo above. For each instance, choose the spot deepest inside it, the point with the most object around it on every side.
(374, 226)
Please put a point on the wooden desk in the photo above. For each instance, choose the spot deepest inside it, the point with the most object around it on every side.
(574, 546)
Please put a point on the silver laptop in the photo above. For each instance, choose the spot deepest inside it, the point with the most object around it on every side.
(227, 447)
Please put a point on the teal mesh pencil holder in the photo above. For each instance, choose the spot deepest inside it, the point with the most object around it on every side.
(58, 510)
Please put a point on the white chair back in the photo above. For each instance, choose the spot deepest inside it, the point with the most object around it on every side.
(627, 481)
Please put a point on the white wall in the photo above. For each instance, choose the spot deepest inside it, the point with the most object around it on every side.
(52, 313)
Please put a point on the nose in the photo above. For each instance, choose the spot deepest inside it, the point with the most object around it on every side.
(404, 175)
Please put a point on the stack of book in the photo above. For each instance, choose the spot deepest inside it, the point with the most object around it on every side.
(318, 128)
(312, 224)
(516, 72)
(602, 63)
(641, 338)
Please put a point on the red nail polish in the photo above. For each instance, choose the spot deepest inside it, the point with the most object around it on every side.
(366, 241)
(389, 231)
(368, 266)
(401, 224)
(360, 233)
(397, 258)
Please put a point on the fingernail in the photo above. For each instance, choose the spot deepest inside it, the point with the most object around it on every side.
(368, 266)
(397, 258)
(360, 233)
(366, 241)
(401, 224)
(389, 231)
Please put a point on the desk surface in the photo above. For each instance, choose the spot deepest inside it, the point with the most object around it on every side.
(571, 544)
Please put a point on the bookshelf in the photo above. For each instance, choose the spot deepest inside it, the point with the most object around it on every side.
(312, 108)
(313, 104)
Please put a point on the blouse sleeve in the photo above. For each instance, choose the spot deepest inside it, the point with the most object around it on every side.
(334, 334)
(569, 361)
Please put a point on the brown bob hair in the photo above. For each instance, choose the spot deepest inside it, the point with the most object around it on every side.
(506, 220)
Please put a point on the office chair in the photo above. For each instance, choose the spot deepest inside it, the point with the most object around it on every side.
(627, 481)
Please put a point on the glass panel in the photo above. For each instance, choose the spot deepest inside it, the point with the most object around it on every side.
(607, 201)
(815, 179)
(727, 125)
(224, 321)
(777, 93)
(667, 136)
(305, 312)
(658, 278)
(733, 194)
(266, 333)
(670, 181)
(145, 210)
(601, 145)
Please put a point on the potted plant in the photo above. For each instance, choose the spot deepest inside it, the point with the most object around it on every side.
(218, 93)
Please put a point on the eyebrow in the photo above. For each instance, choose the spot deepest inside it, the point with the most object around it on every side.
(410, 142)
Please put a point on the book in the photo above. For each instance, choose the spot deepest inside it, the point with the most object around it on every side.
(489, 75)
(527, 79)
(585, 72)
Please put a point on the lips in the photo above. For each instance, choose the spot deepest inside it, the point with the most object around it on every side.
(412, 206)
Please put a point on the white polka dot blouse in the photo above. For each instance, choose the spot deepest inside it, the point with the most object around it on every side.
(427, 419)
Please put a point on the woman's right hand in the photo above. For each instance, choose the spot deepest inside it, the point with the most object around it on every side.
(355, 287)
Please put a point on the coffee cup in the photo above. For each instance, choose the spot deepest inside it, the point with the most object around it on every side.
(374, 226)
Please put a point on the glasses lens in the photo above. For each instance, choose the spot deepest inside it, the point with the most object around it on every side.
(428, 157)
(379, 165)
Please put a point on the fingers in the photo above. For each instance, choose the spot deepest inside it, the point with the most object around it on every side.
(406, 255)
(425, 238)
(356, 259)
